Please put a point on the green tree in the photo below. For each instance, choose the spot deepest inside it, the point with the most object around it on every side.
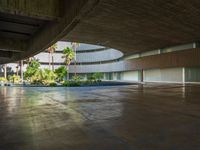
(49, 75)
(32, 68)
(60, 72)
(68, 55)
(98, 76)
(14, 78)
(43, 76)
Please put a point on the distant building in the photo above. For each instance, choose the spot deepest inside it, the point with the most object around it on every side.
(115, 65)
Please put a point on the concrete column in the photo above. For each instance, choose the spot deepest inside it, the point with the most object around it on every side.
(141, 75)
(21, 70)
(194, 45)
(159, 51)
(183, 75)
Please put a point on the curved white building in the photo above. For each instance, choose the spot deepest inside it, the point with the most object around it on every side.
(116, 66)
(89, 59)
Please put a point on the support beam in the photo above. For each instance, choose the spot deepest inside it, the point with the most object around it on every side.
(7, 44)
(41, 9)
(6, 54)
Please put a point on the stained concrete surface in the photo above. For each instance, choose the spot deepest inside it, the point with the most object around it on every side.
(143, 117)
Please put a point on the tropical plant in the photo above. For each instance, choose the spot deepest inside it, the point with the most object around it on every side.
(51, 51)
(52, 84)
(32, 69)
(2, 79)
(44, 76)
(98, 76)
(38, 77)
(60, 72)
(71, 83)
(68, 55)
(90, 78)
(49, 75)
(77, 78)
(14, 78)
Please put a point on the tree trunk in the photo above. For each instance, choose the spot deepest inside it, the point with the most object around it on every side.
(67, 72)
(17, 71)
(52, 62)
(21, 71)
(49, 61)
(75, 69)
(5, 71)
(75, 62)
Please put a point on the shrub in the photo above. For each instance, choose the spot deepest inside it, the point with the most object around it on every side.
(52, 84)
(14, 78)
(77, 78)
(44, 77)
(91, 78)
(71, 83)
(31, 69)
(60, 72)
(2, 79)
(98, 76)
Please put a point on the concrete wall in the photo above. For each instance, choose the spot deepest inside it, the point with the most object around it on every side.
(192, 74)
(164, 75)
(130, 76)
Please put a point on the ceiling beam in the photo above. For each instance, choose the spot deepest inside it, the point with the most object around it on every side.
(39, 9)
(8, 44)
(6, 54)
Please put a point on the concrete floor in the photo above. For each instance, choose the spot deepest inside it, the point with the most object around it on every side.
(148, 117)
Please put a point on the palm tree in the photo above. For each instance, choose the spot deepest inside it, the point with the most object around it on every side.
(74, 47)
(51, 51)
(68, 55)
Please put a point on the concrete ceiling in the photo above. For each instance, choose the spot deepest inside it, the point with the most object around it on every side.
(139, 25)
(27, 28)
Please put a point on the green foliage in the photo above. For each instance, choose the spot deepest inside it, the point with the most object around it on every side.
(68, 55)
(14, 78)
(72, 83)
(32, 69)
(60, 73)
(48, 75)
(90, 79)
(44, 76)
(2, 79)
(98, 76)
(52, 84)
(77, 78)
(36, 75)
